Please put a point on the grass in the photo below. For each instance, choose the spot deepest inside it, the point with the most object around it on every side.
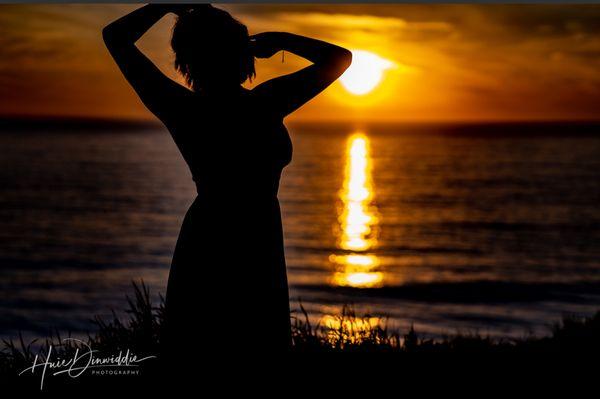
(346, 333)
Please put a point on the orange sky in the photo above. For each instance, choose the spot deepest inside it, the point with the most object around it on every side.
(452, 62)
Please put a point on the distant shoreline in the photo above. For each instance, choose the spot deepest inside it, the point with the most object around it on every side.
(68, 124)
(451, 128)
(458, 129)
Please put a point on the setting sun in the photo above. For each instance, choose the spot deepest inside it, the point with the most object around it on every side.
(365, 73)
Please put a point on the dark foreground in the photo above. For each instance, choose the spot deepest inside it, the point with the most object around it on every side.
(573, 337)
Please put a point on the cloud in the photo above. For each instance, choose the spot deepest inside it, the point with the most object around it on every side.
(465, 61)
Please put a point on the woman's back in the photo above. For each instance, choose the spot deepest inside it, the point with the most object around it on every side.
(230, 250)
(231, 142)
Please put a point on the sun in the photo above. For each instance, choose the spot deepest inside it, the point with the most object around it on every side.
(365, 73)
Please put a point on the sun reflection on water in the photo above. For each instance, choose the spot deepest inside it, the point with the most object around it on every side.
(358, 221)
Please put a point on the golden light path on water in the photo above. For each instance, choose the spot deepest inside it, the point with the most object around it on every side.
(358, 221)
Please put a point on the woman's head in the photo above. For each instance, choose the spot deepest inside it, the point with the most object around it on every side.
(212, 49)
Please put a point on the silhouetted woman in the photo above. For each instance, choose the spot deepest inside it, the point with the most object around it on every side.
(227, 287)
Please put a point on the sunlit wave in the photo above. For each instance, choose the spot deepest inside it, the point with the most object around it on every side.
(347, 327)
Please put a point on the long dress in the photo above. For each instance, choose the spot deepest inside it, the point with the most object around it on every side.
(227, 291)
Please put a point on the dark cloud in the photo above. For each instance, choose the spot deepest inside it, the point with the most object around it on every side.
(476, 21)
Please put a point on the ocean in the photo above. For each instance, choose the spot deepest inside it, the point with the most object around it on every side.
(475, 228)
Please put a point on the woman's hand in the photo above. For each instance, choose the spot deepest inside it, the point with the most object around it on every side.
(265, 45)
(180, 9)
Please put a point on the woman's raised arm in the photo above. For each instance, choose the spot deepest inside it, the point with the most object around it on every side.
(291, 91)
(156, 90)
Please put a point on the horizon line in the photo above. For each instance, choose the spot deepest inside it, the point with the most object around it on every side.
(102, 121)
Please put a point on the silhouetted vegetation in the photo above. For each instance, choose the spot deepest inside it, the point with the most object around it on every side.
(346, 333)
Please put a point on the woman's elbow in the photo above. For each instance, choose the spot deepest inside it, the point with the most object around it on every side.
(113, 37)
(108, 36)
(342, 60)
(338, 62)
(345, 58)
